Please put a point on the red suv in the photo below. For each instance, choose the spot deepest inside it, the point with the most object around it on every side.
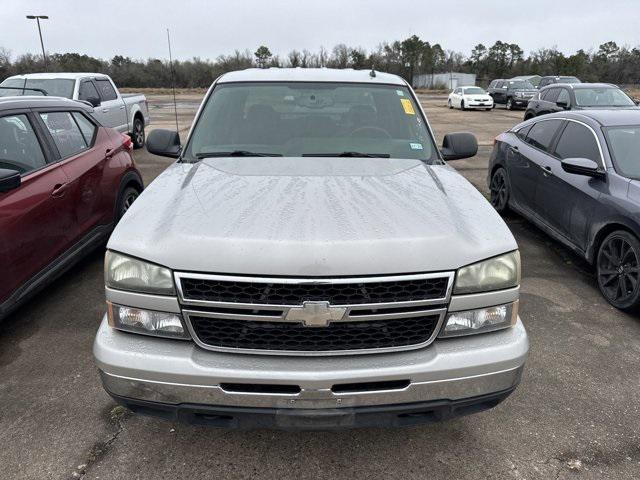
(65, 181)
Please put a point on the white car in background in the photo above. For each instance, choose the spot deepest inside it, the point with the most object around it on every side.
(470, 97)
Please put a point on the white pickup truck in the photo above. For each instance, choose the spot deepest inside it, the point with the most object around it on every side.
(126, 113)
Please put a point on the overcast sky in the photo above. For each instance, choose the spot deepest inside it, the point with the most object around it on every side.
(137, 28)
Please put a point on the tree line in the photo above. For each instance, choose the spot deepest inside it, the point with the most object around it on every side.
(408, 57)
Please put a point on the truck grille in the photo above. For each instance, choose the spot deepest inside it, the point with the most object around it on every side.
(274, 293)
(313, 316)
(297, 338)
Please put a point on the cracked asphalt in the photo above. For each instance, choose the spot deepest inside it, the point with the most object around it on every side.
(575, 415)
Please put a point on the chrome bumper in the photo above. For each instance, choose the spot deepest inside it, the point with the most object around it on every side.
(177, 372)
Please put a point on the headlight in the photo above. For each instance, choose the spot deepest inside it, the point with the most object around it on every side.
(148, 322)
(126, 273)
(479, 321)
(496, 273)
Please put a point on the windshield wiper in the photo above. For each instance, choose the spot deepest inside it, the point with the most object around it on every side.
(235, 153)
(348, 154)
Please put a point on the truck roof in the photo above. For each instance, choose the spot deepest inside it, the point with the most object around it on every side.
(63, 75)
(310, 75)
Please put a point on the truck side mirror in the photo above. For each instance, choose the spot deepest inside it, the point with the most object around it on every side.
(94, 101)
(165, 143)
(9, 179)
(456, 146)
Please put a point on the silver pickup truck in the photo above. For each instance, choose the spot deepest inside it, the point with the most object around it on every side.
(310, 261)
(127, 113)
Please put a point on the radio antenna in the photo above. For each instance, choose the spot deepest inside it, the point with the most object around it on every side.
(173, 85)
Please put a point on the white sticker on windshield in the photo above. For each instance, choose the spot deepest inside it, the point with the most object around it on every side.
(416, 146)
(400, 93)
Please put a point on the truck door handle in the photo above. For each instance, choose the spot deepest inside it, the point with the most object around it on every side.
(59, 190)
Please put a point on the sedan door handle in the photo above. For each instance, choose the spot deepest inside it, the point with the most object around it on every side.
(59, 190)
(105, 110)
(108, 153)
(546, 170)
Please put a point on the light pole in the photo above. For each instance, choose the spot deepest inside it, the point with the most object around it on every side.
(37, 18)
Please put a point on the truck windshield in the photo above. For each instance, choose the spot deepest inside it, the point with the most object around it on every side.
(311, 119)
(55, 87)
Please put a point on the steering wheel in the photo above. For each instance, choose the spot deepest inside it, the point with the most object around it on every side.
(376, 131)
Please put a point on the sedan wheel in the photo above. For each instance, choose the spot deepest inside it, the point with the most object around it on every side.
(618, 270)
(449, 104)
(499, 188)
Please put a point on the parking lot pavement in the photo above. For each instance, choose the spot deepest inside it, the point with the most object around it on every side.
(575, 415)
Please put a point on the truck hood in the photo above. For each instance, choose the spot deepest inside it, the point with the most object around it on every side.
(311, 217)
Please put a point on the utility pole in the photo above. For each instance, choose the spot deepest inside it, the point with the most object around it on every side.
(37, 18)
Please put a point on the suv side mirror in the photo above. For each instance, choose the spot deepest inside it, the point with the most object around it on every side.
(456, 146)
(165, 143)
(94, 101)
(9, 179)
(582, 166)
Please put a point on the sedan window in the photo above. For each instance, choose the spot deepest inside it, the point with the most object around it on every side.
(542, 133)
(19, 147)
(577, 141)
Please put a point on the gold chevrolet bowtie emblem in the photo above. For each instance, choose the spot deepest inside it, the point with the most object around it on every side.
(315, 314)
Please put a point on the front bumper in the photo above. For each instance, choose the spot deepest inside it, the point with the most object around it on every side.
(521, 101)
(139, 370)
(485, 104)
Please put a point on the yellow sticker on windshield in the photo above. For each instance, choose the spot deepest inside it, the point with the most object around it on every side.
(408, 108)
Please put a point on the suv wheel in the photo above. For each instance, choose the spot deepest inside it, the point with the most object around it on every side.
(618, 270)
(499, 188)
(509, 104)
(126, 199)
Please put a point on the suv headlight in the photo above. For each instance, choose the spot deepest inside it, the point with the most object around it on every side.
(496, 273)
(127, 273)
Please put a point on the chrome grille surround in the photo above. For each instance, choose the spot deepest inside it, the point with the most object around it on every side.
(256, 312)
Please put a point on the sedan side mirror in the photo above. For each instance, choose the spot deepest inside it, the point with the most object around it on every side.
(165, 143)
(9, 179)
(564, 105)
(582, 166)
(94, 101)
(456, 146)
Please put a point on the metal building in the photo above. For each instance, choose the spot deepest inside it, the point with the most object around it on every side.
(449, 80)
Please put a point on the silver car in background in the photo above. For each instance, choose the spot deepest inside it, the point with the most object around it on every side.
(311, 262)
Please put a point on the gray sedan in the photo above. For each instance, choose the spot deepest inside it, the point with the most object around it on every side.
(577, 177)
